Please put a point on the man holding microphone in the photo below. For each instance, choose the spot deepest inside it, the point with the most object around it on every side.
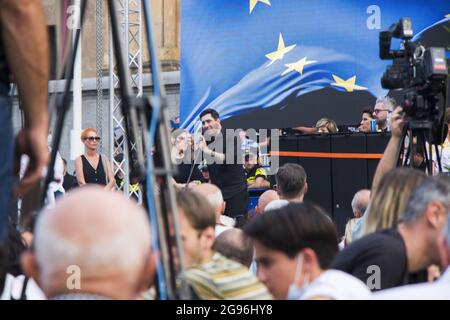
(225, 170)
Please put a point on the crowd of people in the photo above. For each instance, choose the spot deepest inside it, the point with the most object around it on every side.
(287, 248)
(93, 243)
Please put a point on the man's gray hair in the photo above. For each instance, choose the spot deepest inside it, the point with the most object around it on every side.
(357, 203)
(215, 199)
(431, 189)
(388, 102)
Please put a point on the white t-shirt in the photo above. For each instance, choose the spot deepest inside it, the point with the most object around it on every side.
(13, 288)
(444, 151)
(219, 229)
(438, 290)
(336, 285)
(445, 158)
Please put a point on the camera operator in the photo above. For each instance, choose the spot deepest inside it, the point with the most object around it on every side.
(420, 72)
(225, 171)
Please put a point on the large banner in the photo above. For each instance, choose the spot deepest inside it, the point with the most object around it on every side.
(285, 63)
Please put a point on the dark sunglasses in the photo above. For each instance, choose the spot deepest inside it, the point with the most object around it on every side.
(93, 138)
(377, 111)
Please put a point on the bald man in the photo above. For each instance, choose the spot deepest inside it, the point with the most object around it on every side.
(360, 202)
(267, 197)
(92, 245)
(235, 245)
(214, 196)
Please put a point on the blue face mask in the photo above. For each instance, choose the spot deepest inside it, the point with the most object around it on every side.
(295, 292)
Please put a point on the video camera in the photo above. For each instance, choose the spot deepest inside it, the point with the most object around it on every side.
(420, 71)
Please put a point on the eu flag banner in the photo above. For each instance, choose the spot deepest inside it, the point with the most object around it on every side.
(284, 63)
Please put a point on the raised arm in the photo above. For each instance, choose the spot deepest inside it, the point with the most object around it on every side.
(79, 171)
(389, 160)
(26, 46)
(112, 180)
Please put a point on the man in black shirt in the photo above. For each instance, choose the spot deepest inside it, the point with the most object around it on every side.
(225, 171)
(70, 181)
(397, 256)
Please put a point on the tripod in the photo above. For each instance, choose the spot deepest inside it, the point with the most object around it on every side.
(417, 146)
(146, 123)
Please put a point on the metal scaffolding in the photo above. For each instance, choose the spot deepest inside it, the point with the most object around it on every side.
(130, 18)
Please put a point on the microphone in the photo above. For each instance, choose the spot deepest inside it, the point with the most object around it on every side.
(198, 135)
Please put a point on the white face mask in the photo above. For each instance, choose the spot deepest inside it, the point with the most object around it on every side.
(295, 292)
(49, 140)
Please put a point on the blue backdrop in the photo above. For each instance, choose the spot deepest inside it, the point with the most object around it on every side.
(244, 56)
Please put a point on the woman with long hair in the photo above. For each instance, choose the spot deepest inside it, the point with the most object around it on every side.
(390, 199)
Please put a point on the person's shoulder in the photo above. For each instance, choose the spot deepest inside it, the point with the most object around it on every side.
(337, 285)
(196, 272)
(201, 283)
(235, 281)
(221, 268)
(220, 263)
(340, 278)
(389, 237)
(382, 243)
(421, 291)
(380, 238)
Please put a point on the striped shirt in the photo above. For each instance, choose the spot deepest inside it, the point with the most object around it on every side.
(225, 279)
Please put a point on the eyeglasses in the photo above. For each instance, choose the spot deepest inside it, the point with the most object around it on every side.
(91, 139)
(377, 111)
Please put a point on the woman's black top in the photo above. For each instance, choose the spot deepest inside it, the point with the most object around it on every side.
(92, 175)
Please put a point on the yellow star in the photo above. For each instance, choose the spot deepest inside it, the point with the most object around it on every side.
(447, 15)
(348, 84)
(297, 66)
(254, 2)
(281, 51)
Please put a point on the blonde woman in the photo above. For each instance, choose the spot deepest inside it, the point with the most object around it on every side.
(92, 167)
(390, 199)
(325, 125)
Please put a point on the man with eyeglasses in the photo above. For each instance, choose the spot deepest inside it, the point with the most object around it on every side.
(382, 112)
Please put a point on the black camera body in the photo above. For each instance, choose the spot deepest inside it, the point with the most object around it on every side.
(421, 72)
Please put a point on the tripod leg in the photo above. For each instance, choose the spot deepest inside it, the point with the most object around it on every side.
(63, 108)
(429, 154)
(409, 149)
(438, 157)
(401, 149)
(425, 153)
